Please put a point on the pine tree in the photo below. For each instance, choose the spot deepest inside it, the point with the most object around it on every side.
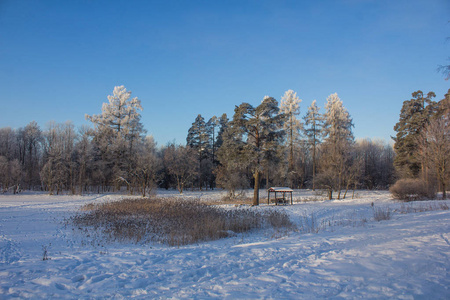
(223, 126)
(290, 106)
(414, 115)
(261, 131)
(198, 140)
(313, 131)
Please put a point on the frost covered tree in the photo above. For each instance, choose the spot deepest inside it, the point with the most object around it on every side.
(290, 107)
(313, 131)
(261, 131)
(336, 148)
(120, 115)
(117, 131)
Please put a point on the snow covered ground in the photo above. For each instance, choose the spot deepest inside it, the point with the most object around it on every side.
(350, 255)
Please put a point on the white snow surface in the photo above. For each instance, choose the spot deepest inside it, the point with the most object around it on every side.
(352, 256)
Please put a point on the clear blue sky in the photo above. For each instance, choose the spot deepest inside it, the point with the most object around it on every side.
(60, 59)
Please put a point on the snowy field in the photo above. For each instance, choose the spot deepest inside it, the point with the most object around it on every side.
(348, 254)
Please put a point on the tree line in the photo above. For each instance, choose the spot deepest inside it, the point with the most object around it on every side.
(259, 146)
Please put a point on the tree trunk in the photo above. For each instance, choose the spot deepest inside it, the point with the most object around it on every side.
(444, 194)
(256, 189)
(314, 166)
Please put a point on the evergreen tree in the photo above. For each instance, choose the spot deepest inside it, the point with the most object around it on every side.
(211, 127)
(313, 131)
(223, 126)
(198, 140)
(414, 115)
(261, 131)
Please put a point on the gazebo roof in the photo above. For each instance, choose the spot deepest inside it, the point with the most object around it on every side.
(280, 189)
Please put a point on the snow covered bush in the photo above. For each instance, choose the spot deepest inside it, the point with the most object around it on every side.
(411, 189)
(172, 221)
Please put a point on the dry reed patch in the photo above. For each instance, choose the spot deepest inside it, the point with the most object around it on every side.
(410, 208)
(235, 201)
(172, 221)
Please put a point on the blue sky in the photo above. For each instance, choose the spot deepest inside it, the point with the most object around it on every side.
(60, 59)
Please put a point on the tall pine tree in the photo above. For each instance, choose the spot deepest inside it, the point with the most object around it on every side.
(414, 115)
(261, 131)
(198, 140)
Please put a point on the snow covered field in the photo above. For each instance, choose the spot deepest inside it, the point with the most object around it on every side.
(350, 256)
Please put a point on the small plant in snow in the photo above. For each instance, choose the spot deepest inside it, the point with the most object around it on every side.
(381, 213)
(45, 254)
(310, 224)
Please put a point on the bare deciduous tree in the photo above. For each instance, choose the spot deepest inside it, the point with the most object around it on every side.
(181, 163)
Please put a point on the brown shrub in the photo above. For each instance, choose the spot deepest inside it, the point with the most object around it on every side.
(411, 189)
(173, 222)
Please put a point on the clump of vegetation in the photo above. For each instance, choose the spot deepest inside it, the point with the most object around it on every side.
(173, 222)
(409, 208)
(411, 190)
(381, 213)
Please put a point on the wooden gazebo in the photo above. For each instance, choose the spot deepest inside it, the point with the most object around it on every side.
(280, 195)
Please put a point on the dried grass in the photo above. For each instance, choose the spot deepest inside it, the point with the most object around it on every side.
(381, 213)
(172, 221)
(410, 208)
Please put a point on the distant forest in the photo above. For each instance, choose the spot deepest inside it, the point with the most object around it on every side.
(258, 147)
